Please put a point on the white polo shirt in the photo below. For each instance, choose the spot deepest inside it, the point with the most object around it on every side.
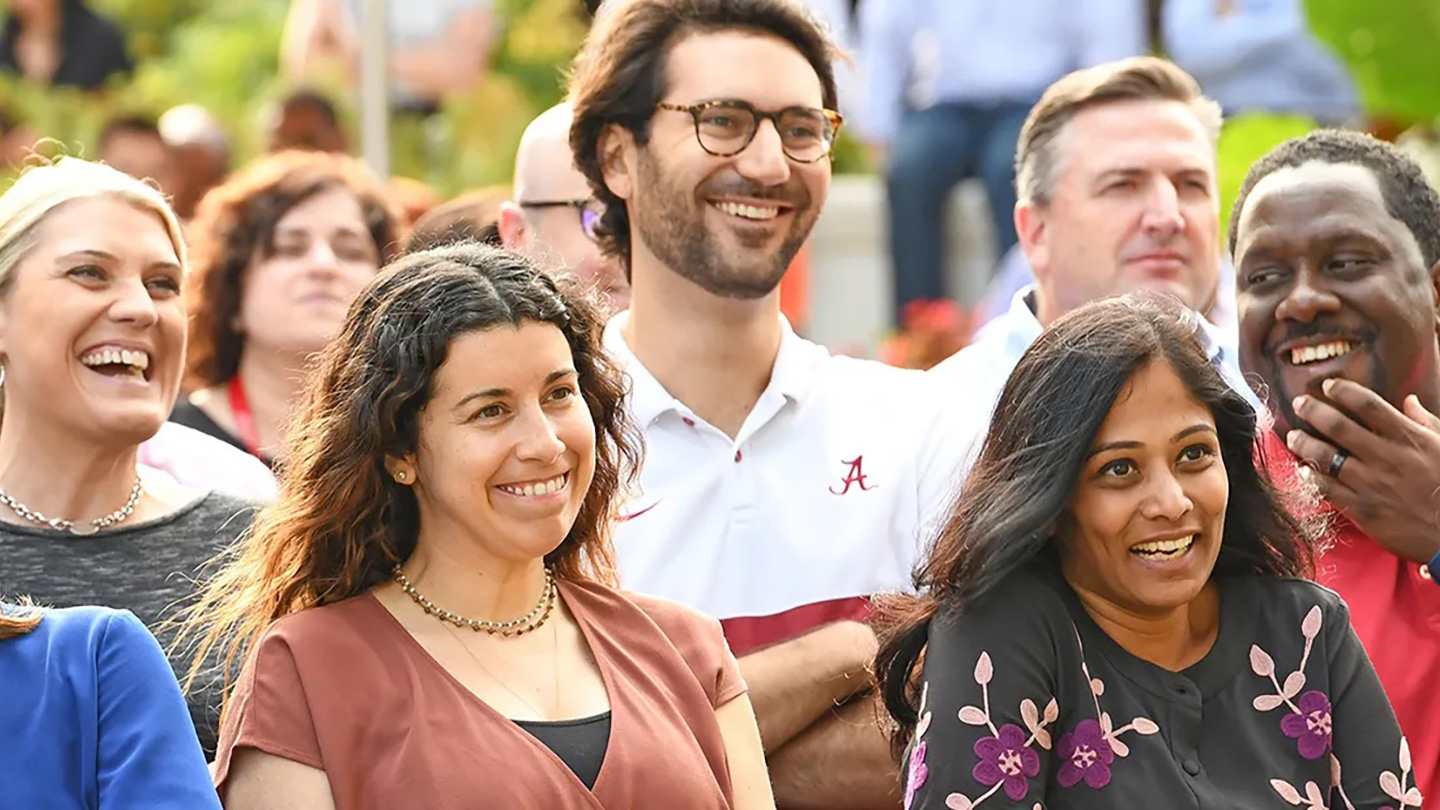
(811, 509)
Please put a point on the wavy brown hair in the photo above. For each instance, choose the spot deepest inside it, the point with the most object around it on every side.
(619, 76)
(234, 226)
(341, 523)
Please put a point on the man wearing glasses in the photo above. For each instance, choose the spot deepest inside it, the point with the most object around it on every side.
(552, 215)
(782, 487)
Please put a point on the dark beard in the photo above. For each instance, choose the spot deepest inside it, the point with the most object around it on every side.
(673, 227)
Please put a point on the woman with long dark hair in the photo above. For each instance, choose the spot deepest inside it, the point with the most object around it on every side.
(429, 606)
(1113, 615)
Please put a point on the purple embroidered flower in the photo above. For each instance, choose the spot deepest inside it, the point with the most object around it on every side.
(918, 773)
(1006, 759)
(1311, 726)
(1087, 755)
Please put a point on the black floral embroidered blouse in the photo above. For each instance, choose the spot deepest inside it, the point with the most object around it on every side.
(1027, 703)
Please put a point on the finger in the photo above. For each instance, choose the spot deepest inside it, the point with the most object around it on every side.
(1337, 493)
(1311, 450)
(1367, 407)
(1338, 428)
(1420, 415)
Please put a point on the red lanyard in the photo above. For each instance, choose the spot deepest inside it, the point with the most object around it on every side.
(244, 420)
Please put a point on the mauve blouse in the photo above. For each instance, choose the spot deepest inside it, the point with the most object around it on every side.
(345, 689)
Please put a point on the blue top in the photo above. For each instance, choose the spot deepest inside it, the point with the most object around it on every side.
(983, 50)
(1435, 568)
(102, 719)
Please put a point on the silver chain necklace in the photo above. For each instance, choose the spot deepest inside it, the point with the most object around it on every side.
(60, 524)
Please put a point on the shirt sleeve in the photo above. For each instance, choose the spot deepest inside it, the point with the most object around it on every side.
(1110, 30)
(269, 710)
(701, 643)
(988, 716)
(1370, 755)
(148, 753)
(887, 34)
(1206, 42)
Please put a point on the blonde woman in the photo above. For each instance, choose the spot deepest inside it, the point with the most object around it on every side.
(102, 719)
(92, 349)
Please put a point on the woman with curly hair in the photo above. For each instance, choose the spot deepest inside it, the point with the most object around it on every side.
(429, 611)
(277, 254)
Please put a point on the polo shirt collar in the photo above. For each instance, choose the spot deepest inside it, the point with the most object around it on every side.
(791, 377)
(1020, 327)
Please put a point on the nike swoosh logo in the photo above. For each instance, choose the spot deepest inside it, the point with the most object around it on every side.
(633, 515)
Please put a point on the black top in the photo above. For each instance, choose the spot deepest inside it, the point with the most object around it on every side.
(186, 413)
(92, 48)
(150, 568)
(580, 744)
(1027, 702)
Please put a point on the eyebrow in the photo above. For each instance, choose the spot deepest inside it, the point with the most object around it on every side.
(102, 255)
(497, 393)
(1199, 427)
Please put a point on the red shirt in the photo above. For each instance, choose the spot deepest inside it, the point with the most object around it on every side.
(1395, 610)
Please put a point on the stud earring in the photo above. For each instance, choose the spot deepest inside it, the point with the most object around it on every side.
(401, 476)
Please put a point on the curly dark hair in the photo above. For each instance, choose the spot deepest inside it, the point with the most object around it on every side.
(341, 523)
(1409, 197)
(235, 223)
(1043, 427)
(619, 76)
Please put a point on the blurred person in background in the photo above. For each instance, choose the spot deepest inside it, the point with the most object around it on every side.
(62, 43)
(1259, 56)
(306, 120)
(471, 217)
(200, 149)
(437, 48)
(553, 213)
(132, 144)
(430, 611)
(412, 199)
(1117, 184)
(991, 61)
(278, 252)
(92, 353)
(95, 714)
(17, 140)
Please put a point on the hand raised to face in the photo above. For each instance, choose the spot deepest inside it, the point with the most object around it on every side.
(1388, 482)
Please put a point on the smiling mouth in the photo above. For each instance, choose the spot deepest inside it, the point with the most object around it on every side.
(756, 213)
(118, 362)
(1163, 549)
(536, 488)
(1305, 355)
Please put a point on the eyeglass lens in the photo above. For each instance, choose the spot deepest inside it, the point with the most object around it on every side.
(726, 129)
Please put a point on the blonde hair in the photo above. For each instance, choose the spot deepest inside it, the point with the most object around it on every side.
(43, 188)
(1140, 78)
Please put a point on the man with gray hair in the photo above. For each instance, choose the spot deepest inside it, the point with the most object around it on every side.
(1115, 173)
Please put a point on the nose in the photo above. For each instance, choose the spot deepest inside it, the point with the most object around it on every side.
(133, 304)
(1306, 300)
(1166, 500)
(537, 439)
(1162, 217)
(322, 257)
(764, 161)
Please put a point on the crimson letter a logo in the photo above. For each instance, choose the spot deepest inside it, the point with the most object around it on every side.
(855, 475)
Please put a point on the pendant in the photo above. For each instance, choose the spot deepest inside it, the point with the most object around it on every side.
(83, 529)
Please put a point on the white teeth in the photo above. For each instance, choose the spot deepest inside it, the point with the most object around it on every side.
(1168, 548)
(1311, 354)
(138, 360)
(543, 488)
(748, 211)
